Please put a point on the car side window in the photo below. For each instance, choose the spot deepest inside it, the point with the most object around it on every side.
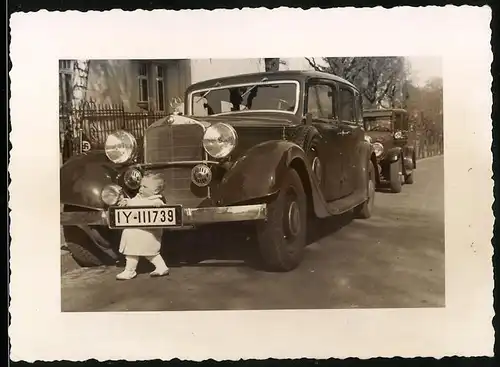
(347, 112)
(320, 101)
(358, 103)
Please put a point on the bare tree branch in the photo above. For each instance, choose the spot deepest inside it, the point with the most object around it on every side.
(313, 64)
(380, 79)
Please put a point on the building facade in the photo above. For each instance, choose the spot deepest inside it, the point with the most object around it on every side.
(149, 85)
(132, 94)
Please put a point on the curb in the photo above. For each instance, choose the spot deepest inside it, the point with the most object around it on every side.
(428, 158)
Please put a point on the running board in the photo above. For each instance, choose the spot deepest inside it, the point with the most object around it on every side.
(324, 209)
(347, 203)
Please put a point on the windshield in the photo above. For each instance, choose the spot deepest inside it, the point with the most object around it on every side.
(379, 123)
(254, 97)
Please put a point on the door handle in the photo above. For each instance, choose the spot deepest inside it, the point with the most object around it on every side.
(344, 132)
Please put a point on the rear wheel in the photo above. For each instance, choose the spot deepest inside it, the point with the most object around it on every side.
(409, 178)
(282, 237)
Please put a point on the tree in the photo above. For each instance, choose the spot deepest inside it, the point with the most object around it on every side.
(273, 64)
(425, 107)
(426, 103)
(381, 80)
(80, 79)
(78, 95)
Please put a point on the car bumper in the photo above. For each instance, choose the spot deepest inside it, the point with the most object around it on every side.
(190, 216)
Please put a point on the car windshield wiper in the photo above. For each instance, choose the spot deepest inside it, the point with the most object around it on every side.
(208, 91)
(265, 79)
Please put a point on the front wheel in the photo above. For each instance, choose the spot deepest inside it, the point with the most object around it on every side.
(84, 250)
(396, 177)
(282, 237)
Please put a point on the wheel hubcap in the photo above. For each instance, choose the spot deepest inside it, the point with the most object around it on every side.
(371, 193)
(294, 219)
(401, 175)
(316, 168)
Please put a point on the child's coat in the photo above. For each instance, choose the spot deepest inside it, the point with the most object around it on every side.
(140, 241)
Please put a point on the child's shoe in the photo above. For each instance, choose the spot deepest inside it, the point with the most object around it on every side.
(159, 273)
(126, 275)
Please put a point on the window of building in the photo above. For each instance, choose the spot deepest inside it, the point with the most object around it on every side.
(320, 102)
(160, 89)
(143, 83)
(65, 81)
(346, 105)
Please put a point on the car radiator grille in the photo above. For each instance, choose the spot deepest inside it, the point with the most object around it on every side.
(174, 144)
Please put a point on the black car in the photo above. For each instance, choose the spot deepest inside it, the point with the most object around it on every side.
(271, 148)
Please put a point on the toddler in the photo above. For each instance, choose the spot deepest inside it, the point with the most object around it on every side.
(140, 242)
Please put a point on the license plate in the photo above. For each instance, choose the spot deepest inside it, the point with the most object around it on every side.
(145, 217)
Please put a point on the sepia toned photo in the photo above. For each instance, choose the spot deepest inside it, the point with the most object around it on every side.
(233, 192)
(252, 183)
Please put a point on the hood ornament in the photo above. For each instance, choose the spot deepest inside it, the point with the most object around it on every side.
(176, 106)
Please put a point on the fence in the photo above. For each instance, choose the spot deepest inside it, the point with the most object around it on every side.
(429, 145)
(95, 122)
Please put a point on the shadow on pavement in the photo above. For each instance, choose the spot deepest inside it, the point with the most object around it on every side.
(233, 245)
(321, 228)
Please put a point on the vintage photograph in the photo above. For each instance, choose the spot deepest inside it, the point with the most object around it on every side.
(246, 184)
(241, 191)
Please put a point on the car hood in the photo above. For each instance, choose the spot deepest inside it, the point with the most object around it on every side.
(254, 119)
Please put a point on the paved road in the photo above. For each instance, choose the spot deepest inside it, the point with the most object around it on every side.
(394, 259)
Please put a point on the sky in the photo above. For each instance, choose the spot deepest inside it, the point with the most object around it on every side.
(423, 68)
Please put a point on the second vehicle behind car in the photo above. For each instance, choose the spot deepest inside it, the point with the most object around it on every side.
(393, 140)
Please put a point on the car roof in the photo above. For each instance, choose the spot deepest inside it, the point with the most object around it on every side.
(382, 112)
(271, 75)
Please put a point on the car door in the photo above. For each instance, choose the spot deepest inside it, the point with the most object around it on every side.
(351, 135)
(321, 103)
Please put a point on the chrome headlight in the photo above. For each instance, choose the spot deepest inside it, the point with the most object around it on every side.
(120, 147)
(110, 194)
(368, 138)
(398, 135)
(220, 140)
(378, 148)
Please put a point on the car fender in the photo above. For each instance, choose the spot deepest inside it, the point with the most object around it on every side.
(83, 177)
(366, 157)
(258, 174)
(410, 159)
(393, 154)
(409, 150)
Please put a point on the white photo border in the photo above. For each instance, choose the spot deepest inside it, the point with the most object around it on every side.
(40, 331)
